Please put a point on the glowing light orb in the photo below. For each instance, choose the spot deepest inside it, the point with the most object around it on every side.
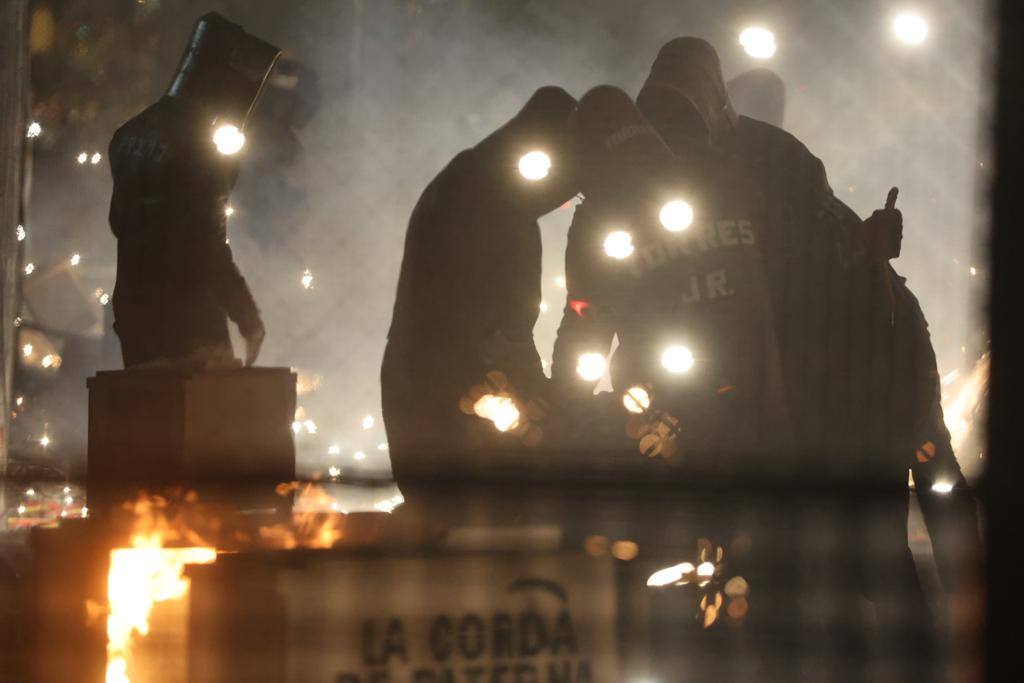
(560, 282)
(591, 366)
(359, 455)
(20, 233)
(534, 165)
(104, 299)
(669, 575)
(705, 569)
(333, 471)
(974, 271)
(47, 361)
(676, 215)
(636, 399)
(45, 441)
(500, 410)
(758, 42)
(368, 422)
(618, 244)
(942, 487)
(307, 279)
(677, 359)
(34, 130)
(76, 259)
(229, 211)
(27, 350)
(910, 28)
(229, 139)
(82, 157)
(333, 449)
(95, 158)
(30, 268)
(543, 306)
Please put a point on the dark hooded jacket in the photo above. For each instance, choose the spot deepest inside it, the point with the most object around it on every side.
(177, 283)
(469, 290)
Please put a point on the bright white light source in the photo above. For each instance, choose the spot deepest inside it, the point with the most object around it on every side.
(34, 129)
(229, 139)
(27, 350)
(670, 575)
(333, 471)
(591, 366)
(618, 244)
(560, 282)
(974, 271)
(104, 299)
(229, 211)
(95, 158)
(910, 28)
(21, 509)
(500, 410)
(76, 259)
(30, 492)
(942, 487)
(636, 399)
(705, 569)
(676, 215)
(45, 441)
(359, 455)
(677, 359)
(534, 165)
(47, 360)
(82, 157)
(543, 306)
(307, 279)
(368, 422)
(30, 268)
(758, 42)
(310, 426)
(20, 233)
(333, 449)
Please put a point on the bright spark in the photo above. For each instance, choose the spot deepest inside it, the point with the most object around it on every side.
(30, 268)
(30, 492)
(95, 158)
(333, 449)
(591, 366)
(45, 441)
(676, 215)
(20, 233)
(560, 282)
(758, 42)
(27, 350)
(910, 28)
(333, 470)
(543, 307)
(104, 299)
(368, 422)
(677, 359)
(307, 279)
(500, 410)
(534, 165)
(359, 455)
(229, 211)
(974, 271)
(636, 399)
(82, 157)
(942, 487)
(618, 244)
(76, 259)
(34, 129)
(674, 574)
(229, 139)
(21, 509)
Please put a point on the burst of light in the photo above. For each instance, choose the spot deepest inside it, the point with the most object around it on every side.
(66, 490)
(139, 577)
(30, 492)
(229, 139)
(534, 165)
(974, 271)
(705, 569)
(543, 307)
(95, 158)
(229, 211)
(368, 422)
(942, 487)
(758, 42)
(669, 575)
(19, 401)
(677, 359)
(45, 441)
(676, 215)
(333, 450)
(85, 511)
(636, 399)
(47, 360)
(30, 268)
(68, 500)
(34, 129)
(17, 321)
(910, 28)
(27, 350)
(82, 157)
(21, 509)
(307, 279)
(104, 299)
(618, 244)
(384, 506)
(359, 455)
(310, 426)
(333, 470)
(560, 282)
(382, 446)
(20, 233)
(500, 410)
(63, 513)
(959, 407)
(76, 259)
(591, 366)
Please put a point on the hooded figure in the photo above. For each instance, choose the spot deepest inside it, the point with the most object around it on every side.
(468, 296)
(177, 283)
(858, 368)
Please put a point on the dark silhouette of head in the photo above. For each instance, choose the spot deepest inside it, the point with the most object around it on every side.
(759, 94)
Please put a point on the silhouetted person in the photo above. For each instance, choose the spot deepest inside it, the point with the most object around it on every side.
(469, 294)
(177, 283)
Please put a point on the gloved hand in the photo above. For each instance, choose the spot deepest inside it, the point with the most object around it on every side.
(253, 336)
(883, 231)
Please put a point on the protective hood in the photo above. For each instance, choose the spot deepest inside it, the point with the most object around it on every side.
(685, 95)
(223, 69)
(545, 180)
(759, 94)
